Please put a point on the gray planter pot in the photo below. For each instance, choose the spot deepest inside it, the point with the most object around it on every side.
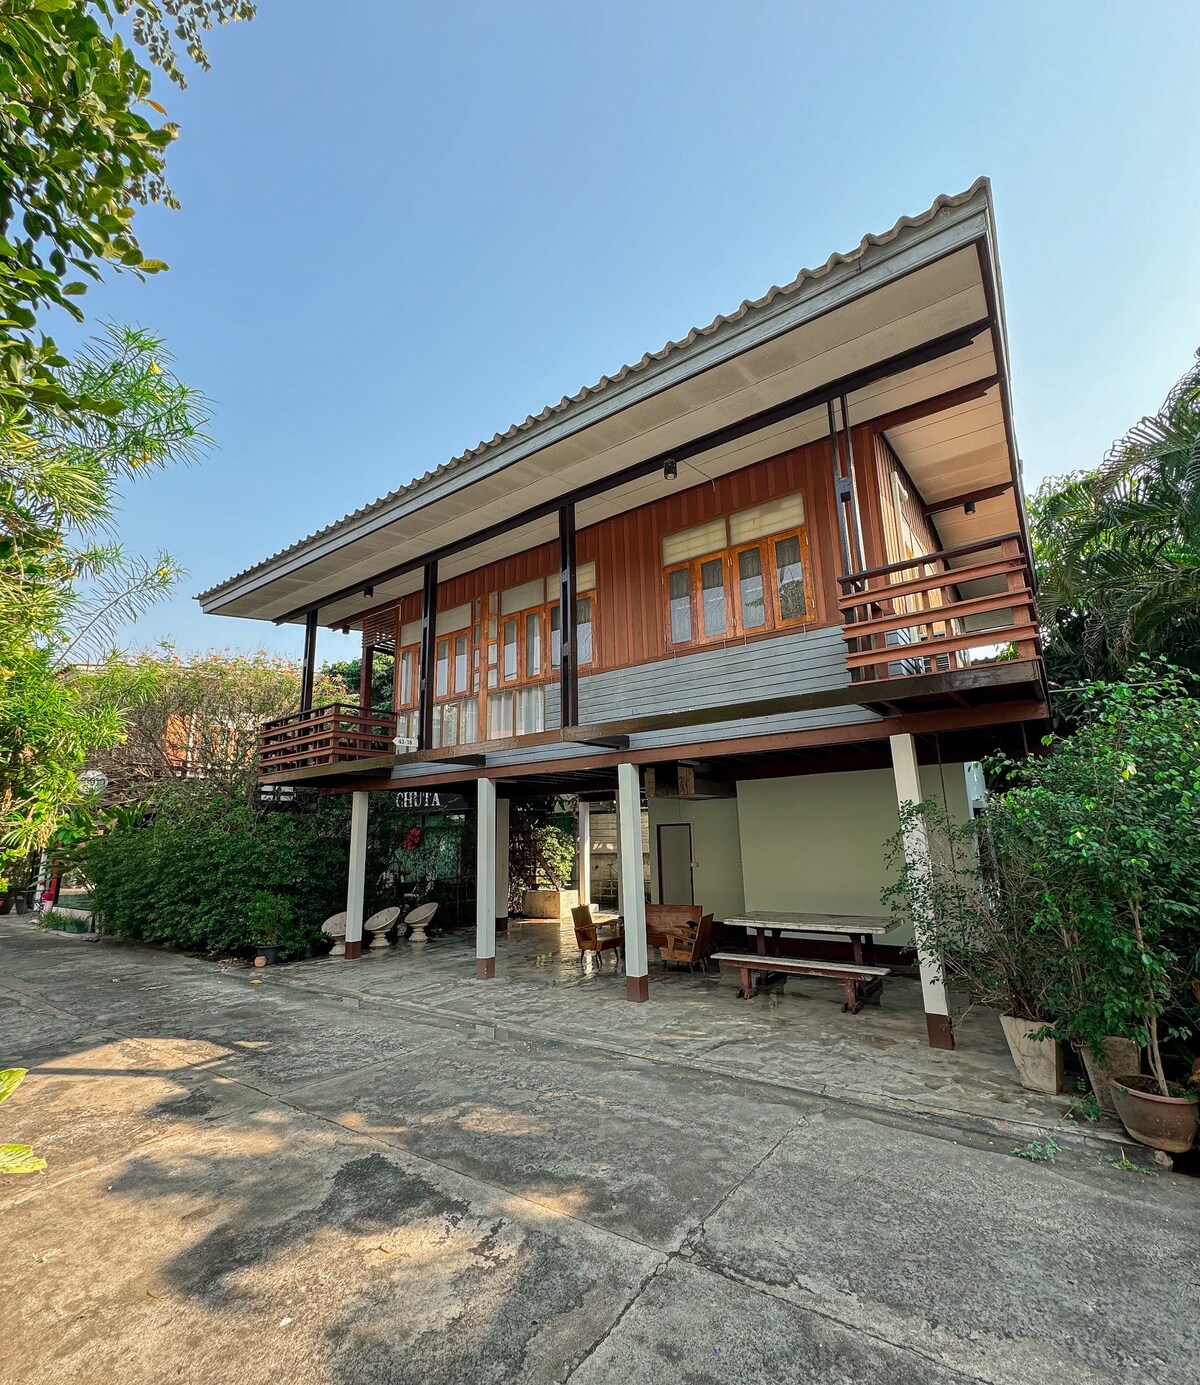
(1039, 1061)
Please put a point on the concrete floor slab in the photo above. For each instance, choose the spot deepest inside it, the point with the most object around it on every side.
(689, 1325)
(446, 1199)
(953, 1251)
(794, 1035)
(603, 1138)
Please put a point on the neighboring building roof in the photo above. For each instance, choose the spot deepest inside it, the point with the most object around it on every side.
(568, 404)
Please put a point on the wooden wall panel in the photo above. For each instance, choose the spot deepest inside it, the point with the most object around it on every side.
(627, 550)
(886, 467)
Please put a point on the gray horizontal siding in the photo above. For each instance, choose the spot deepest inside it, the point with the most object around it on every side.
(808, 661)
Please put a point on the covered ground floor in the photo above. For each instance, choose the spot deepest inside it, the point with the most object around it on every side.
(747, 834)
(259, 1183)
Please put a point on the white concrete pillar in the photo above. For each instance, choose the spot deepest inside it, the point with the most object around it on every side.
(633, 895)
(585, 852)
(617, 861)
(485, 881)
(916, 852)
(357, 878)
(502, 864)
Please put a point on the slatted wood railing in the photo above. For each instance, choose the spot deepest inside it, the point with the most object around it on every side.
(324, 736)
(911, 616)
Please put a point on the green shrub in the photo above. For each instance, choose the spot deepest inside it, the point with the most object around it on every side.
(203, 869)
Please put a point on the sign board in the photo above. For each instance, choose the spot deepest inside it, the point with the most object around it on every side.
(426, 801)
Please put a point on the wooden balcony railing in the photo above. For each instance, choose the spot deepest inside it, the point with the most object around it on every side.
(324, 736)
(924, 615)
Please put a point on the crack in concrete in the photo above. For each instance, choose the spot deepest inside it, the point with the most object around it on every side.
(647, 1280)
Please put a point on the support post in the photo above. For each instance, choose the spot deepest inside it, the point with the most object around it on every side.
(357, 878)
(308, 668)
(617, 862)
(856, 532)
(428, 651)
(485, 881)
(502, 865)
(584, 857)
(567, 613)
(629, 834)
(916, 853)
(366, 674)
(845, 491)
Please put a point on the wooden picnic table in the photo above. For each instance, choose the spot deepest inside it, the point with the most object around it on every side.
(769, 927)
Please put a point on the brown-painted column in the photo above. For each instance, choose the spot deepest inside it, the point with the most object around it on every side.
(428, 654)
(567, 613)
(309, 667)
(365, 675)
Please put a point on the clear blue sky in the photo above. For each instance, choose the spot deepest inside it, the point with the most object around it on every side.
(406, 226)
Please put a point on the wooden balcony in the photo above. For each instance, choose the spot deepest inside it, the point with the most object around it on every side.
(325, 735)
(940, 612)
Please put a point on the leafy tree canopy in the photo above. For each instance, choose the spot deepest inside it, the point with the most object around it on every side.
(82, 143)
(344, 680)
(1118, 549)
(191, 717)
(65, 586)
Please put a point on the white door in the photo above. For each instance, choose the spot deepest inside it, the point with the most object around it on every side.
(675, 863)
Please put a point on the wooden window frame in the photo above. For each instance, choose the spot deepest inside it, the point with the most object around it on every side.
(696, 600)
(405, 699)
(736, 629)
(550, 669)
(548, 624)
(453, 693)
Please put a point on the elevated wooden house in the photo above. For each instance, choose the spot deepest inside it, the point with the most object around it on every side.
(772, 580)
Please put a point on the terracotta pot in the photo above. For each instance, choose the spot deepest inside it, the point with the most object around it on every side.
(1039, 1061)
(1162, 1122)
(1116, 1055)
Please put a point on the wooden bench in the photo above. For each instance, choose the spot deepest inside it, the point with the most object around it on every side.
(861, 983)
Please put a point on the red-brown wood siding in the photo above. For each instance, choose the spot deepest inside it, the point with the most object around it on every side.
(627, 551)
(887, 471)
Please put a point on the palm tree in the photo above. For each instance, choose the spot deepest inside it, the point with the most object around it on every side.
(1118, 548)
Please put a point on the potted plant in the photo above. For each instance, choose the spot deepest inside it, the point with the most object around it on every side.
(969, 897)
(1118, 826)
(268, 918)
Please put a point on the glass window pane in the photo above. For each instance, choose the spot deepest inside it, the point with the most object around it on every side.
(555, 638)
(510, 650)
(680, 600)
(469, 722)
(450, 724)
(751, 594)
(531, 711)
(443, 668)
(790, 575)
(500, 716)
(460, 664)
(583, 629)
(437, 726)
(712, 591)
(533, 644)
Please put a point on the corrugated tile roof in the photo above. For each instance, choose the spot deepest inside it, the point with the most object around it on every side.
(567, 402)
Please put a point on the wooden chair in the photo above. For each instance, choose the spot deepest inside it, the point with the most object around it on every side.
(662, 920)
(589, 938)
(691, 947)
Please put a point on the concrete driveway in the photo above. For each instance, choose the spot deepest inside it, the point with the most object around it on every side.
(253, 1183)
